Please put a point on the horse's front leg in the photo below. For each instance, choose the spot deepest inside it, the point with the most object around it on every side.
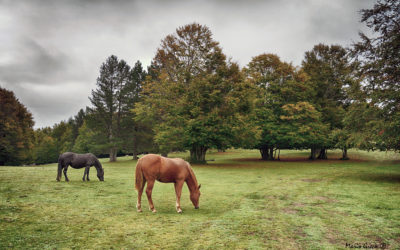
(149, 189)
(178, 192)
(65, 173)
(86, 173)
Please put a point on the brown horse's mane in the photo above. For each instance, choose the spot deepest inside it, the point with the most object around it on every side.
(192, 176)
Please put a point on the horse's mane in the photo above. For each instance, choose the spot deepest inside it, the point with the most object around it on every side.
(192, 174)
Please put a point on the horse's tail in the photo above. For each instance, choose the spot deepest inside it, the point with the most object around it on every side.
(139, 176)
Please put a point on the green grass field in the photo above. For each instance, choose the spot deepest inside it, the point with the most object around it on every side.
(245, 204)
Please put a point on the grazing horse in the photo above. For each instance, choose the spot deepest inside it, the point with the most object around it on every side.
(154, 167)
(79, 161)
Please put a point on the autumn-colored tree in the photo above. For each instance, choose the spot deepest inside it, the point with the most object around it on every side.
(195, 97)
(16, 131)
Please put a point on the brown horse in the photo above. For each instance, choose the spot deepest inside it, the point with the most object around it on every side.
(154, 167)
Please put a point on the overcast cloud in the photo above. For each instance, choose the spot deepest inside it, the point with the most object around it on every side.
(51, 51)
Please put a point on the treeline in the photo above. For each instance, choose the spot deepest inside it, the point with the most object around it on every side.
(193, 98)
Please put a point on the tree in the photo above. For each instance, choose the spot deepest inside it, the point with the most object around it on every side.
(302, 126)
(195, 96)
(379, 57)
(331, 73)
(277, 83)
(46, 148)
(76, 122)
(137, 135)
(16, 130)
(109, 101)
(89, 141)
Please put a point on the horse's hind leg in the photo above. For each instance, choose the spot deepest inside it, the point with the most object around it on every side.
(149, 189)
(59, 171)
(65, 173)
(178, 192)
(139, 198)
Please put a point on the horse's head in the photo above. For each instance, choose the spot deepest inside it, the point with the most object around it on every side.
(100, 174)
(195, 196)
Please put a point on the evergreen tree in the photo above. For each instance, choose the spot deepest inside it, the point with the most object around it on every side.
(109, 102)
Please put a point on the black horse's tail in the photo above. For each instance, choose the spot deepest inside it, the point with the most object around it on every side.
(59, 168)
(139, 176)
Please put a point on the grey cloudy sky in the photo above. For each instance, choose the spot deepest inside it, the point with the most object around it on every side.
(51, 51)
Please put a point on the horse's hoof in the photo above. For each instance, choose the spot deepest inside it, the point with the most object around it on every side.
(179, 211)
(139, 210)
(154, 211)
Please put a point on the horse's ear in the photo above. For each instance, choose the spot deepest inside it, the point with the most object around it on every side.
(199, 186)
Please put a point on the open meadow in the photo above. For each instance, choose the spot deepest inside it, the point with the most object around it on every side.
(245, 204)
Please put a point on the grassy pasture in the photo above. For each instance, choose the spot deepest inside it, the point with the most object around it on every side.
(245, 203)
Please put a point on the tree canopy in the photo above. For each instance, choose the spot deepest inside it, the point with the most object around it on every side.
(16, 131)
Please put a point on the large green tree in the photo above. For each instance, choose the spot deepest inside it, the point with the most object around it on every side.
(379, 56)
(16, 131)
(194, 95)
(331, 74)
(278, 84)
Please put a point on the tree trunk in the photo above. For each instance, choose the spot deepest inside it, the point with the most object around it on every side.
(323, 154)
(264, 153)
(113, 150)
(134, 150)
(313, 153)
(271, 154)
(198, 154)
(113, 154)
(344, 154)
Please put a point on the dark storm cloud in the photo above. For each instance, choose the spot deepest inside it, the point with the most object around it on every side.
(51, 50)
(34, 64)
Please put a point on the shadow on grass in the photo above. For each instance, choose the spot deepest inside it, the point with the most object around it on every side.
(301, 159)
(376, 177)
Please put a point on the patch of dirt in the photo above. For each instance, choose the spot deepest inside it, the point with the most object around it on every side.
(300, 232)
(332, 238)
(289, 211)
(311, 180)
(298, 204)
(326, 199)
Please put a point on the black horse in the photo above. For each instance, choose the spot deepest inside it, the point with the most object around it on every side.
(79, 161)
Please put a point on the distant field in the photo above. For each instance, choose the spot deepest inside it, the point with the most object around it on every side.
(245, 203)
